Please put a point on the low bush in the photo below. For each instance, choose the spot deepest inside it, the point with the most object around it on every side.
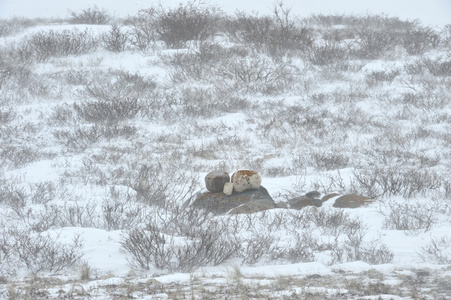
(376, 78)
(192, 21)
(206, 245)
(43, 192)
(40, 252)
(120, 98)
(372, 43)
(18, 156)
(116, 39)
(92, 15)
(44, 45)
(439, 66)
(418, 41)
(12, 73)
(82, 137)
(412, 218)
(384, 182)
(276, 35)
(9, 27)
(148, 248)
(142, 34)
(327, 54)
(13, 195)
(121, 213)
(258, 73)
(437, 251)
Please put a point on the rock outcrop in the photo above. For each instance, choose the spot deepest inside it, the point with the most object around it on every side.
(249, 201)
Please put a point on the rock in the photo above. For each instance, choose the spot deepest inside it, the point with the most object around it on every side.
(313, 195)
(253, 206)
(228, 188)
(251, 201)
(329, 196)
(281, 205)
(246, 180)
(309, 199)
(215, 180)
(303, 201)
(352, 201)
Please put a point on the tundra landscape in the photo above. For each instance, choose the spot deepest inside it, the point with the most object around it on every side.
(109, 124)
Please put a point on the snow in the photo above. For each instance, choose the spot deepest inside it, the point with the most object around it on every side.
(102, 249)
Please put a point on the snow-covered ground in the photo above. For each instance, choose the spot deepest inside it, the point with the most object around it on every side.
(377, 125)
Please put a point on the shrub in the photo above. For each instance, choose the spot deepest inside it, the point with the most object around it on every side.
(7, 115)
(43, 192)
(82, 137)
(275, 35)
(329, 160)
(12, 72)
(353, 248)
(44, 45)
(14, 25)
(115, 40)
(39, 252)
(409, 217)
(417, 42)
(92, 15)
(372, 43)
(258, 73)
(192, 21)
(61, 115)
(327, 54)
(118, 99)
(13, 195)
(108, 111)
(379, 77)
(391, 181)
(437, 251)
(258, 245)
(122, 214)
(437, 67)
(142, 30)
(148, 248)
(206, 245)
(302, 250)
(18, 156)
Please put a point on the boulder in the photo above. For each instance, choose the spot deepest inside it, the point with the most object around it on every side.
(281, 205)
(309, 199)
(215, 180)
(329, 196)
(246, 180)
(249, 201)
(352, 201)
(301, 202)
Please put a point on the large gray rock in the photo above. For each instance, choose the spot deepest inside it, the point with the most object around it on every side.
(215, 180)
(249, 201)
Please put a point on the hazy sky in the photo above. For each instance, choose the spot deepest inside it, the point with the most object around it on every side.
(430, 12)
